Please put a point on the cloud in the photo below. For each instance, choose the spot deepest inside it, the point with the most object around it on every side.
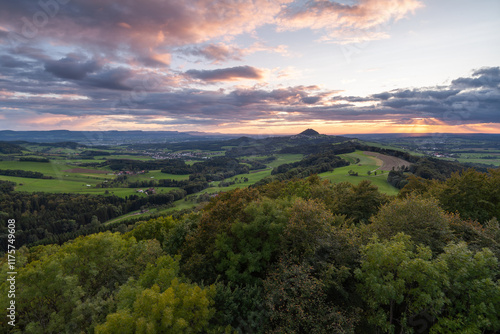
(215, 52)
(111, 79)
(467, 99)
(221, 52)
(346, 23)
(72, 66)
(9, 61)
(112, 92)
(135, 29)
(149, 31)
(484, 77)
(227, 74)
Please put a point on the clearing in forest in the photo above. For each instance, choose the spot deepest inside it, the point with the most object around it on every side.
(388, 162)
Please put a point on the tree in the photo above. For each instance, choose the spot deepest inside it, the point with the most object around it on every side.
(158, 302)
(472, 293)
(244, 252)
(398, 281)
(217, 218)
(298, 303)
(70, 288)
(458, 290)
(421, 218)
(473, 194)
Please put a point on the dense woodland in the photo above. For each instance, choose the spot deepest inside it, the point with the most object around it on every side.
(292, 256)
(9, 148)
(23, 173)
(54, 218)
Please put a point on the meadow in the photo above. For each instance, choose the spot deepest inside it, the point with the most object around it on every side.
(69, 177)
(365, 164)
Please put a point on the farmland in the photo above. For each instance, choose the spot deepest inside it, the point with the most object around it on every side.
(203, 170)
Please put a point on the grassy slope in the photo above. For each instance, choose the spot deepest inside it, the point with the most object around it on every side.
(77, 182)
(66, 182)
(366, 163)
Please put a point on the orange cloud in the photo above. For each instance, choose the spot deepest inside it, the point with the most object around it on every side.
(347, 23)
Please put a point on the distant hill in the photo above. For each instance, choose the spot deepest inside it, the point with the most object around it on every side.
(310, 132)
(106, 137)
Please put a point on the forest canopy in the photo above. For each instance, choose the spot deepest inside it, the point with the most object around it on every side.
(294, 256)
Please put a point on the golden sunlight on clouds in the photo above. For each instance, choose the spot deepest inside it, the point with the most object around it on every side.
(281, 127)
(18, 95)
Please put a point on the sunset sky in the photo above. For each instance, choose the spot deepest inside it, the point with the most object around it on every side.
(255, 67)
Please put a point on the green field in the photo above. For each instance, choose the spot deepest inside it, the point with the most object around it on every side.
(478, 157)
(157, 175)
(69, 182)
(76, 184)
(124, 156)
(53, 168)
(366, 163)
(84, 182)
(285, 159)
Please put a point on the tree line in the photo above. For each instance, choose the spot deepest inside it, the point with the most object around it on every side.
(24, 173)
(45, 216)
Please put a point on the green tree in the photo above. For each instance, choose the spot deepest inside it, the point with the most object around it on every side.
(472, 291)
(398, 280)
(70, 288)
(217, 218)
(421, 218)
(298, 303)
(469, 194)
(158, 302)
(244, 252)
(458, 289)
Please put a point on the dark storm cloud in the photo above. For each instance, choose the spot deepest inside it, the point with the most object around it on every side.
(9, 61)
(470, 99)
(111, 79)
(484, 77)
(226, 74)
(72, 67)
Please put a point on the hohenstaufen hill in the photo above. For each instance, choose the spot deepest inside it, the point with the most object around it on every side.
(310, 132)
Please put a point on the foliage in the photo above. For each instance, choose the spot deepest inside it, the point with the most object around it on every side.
(9, 148)
(158, 302)
(70, 288)
(239, 307)
(420, 218)
(457, 290)
(55, 218)
(24, 173)
(156, 228)
(34, 159)
(218, 216)
(473, 194)
(298, 303)
(244, 252)
(6, 186)
(292, 256)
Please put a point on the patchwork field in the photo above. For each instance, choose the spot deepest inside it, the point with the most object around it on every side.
(71, 179)
(388, 162)
(366, 163)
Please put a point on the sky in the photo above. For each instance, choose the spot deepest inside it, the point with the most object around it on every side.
(254, 67)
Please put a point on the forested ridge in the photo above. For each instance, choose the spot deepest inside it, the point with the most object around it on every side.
(45, 217)
(292, 256)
